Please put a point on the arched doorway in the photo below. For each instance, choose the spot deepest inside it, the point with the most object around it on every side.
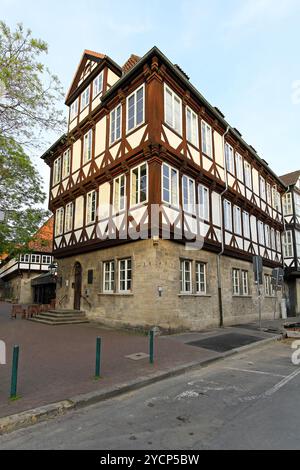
(77, 285)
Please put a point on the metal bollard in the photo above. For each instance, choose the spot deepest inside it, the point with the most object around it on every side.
(14, 373)
(151, 346)
(98, 358)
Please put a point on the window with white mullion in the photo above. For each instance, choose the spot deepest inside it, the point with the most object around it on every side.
(173, 110)
(188, 194)
(261, 233)
(66, 163)
(273, 239)
(206, 135)
(87, 146)
(227, 215)
(109, 276)
(136, 108)
(125, 272)
(139, 185)
(246, 225)
(115, 124)
(192, 131)
(268, 236)
(119, 193)
(69, 217)
(170, 185)
(91, 207)
(98, 85)
(74, 109)
(287, 204)
(59, 221)
(245, 283)
(85, 98)
(262, 186)
(203, 199)
(269, 194)
(287, 241)
(237, 219)
(57, 171)
(236, 282)
(229, 159)
(239, 167)
(248, 174)
(186, 276)
(200, 278)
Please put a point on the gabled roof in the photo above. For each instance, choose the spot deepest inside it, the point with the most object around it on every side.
(291, 179)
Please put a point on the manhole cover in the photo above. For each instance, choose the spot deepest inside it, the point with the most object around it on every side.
(225, 343)
(137, 356)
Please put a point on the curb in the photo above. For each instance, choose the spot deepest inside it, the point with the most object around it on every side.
(37, 415)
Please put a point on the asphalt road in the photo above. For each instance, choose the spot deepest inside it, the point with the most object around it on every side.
(249, 401)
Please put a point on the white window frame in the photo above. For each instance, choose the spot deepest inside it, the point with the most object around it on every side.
(229, 159)
(69, 217)
(246, 225)
(268, 236)
(119, 201)
(56, 171)
(136, 202)
(111, 276)
(207, 139)
(239, 167)
(288, 244)
(245, 282)
(127, 270)
(192, 127)
(136, 124)
(287, 203)
(74, 110)
(35, 259)
(183, 276)
(236, 282)
(261, 233)
(96, 89)
(113, 128)
(25, 258)
(227, 209)
(269, 194)
(85, 98)
(46, 259)
(66, 163)
(237, 220)
(190, 205)
(273, 239)
(91, 207)
(88, 146)
(204, 203)
(176, 120)
(201, 278)
(248, 174)
(262, 187)
(168, 185)
(59, 221)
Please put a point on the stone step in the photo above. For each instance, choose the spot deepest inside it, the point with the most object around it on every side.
(66, 312)
(54, 323)
(60, 317)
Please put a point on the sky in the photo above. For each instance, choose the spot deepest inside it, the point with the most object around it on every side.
(242, 55)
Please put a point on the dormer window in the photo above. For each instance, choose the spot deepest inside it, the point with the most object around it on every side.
(98, 85)
(85, 98)
(74, 110)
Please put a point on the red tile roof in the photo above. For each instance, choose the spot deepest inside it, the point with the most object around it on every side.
(42, 240)
(133, 59)
(291, 178)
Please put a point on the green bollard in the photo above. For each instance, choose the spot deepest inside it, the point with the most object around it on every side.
(98, 358)
(151, 346)
(14, 373)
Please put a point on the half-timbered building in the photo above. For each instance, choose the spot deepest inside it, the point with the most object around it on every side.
(159, 203)
(291, 240)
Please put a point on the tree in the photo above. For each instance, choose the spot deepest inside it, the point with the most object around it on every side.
(29, 95)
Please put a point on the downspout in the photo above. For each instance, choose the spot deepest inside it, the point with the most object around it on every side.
(222, 236)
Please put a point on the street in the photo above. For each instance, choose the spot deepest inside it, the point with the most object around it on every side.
(248, 401)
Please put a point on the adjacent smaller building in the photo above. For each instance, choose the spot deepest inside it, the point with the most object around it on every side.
(291, 241)
(19, 275)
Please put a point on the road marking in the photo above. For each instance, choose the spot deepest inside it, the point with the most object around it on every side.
(281, 384)
(255, 372)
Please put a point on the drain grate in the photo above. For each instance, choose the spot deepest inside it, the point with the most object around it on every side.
(223, 343)
(137, 356)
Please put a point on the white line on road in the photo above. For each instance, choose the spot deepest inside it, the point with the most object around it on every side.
(281, 384)
(255, 372)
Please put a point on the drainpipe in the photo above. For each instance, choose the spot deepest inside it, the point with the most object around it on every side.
(222, 236)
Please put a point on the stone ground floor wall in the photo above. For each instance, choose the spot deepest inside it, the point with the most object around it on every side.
(19, 288)
(155, 298)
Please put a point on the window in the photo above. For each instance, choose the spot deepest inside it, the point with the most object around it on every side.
(85, 98)
(46, 259)
(246, 225)
(203, 196)
(186, 276)
(248, 174)
(269, 194)
(90, 276)
(287, 203)
(74, 109)
(59, 221)
(125, 275)
(236, 282)
(98, 85)
(261, 235)
(273, 239)
(206, 139)
(229, 159)
(278, 241)
(200, 278)
(276, 199)
(109, 276)
(237, 218)
(269, 289)
(192, 133)
(24, 258)
(173, 110)
(57, 171)
(268, 236)
(35, 258)
(245, 283)
(115, 124)
(135, 108)
(91, 207)
(139, 184)
(119, 193)
(297, 204)
(262, 186)
(287, 242)
(188, 194)
(227, 216)
(297, 235)
(170, 185)
(69, 217)
(87, 146)
(66, 163)
(239, 167)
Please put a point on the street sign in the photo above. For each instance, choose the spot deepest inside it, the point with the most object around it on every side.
(258, 269)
